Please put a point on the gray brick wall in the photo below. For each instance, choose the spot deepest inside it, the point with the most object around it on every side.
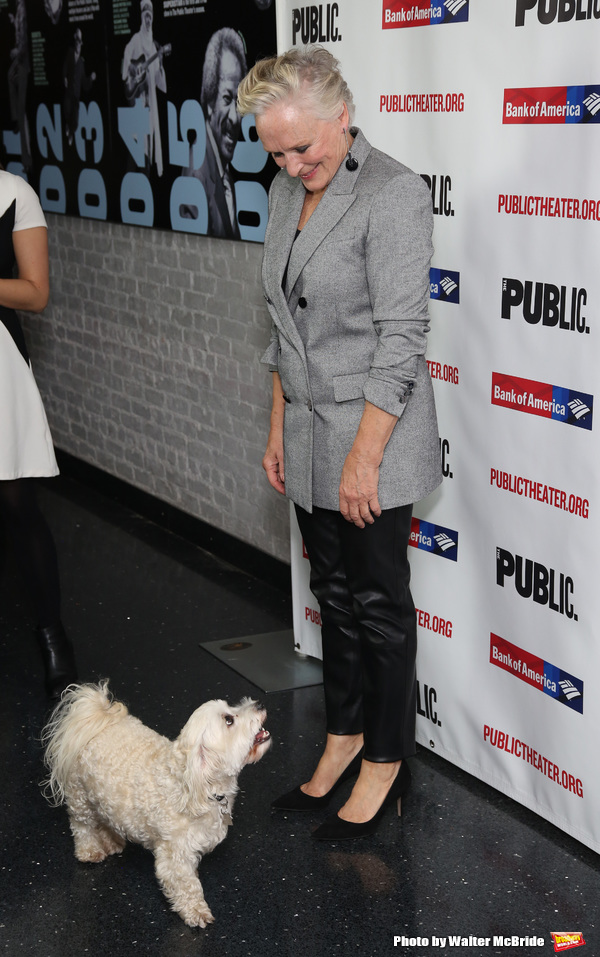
(147, 357)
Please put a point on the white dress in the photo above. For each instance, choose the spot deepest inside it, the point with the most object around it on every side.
(26, 448)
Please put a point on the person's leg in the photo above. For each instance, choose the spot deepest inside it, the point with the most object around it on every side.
(35, 552)
(378, 575)
(342, 670)
(33, 546)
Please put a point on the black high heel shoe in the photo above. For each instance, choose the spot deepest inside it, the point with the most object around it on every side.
(59, 660)
(297, 800)
(334, 828)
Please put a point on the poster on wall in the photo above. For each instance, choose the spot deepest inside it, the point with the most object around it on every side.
(125, 110)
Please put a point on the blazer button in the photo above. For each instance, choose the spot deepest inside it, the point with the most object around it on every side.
(302, 302)
(309, 406)
(267, 298)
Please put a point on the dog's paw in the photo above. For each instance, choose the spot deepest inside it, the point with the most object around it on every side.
(197, 914)
(112, 844)
(90, 855)
(94, 845)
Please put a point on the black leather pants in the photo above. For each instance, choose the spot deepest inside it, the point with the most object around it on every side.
(361, 579)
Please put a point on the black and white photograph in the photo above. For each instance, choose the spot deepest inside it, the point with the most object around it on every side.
(126, 111)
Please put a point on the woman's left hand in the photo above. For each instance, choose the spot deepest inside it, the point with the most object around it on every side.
(359, 503)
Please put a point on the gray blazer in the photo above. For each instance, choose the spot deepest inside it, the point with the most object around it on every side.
(351, 325)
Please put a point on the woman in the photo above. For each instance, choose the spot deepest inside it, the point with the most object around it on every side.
(353, 438)
(25, 443)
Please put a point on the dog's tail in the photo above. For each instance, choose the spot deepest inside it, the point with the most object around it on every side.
(83, 712)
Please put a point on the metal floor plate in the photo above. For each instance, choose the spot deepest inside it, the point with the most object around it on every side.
(269, 661)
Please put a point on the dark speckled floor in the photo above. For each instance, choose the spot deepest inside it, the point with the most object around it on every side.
(464, 860)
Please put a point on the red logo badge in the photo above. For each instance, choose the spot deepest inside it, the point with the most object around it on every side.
(565, 941)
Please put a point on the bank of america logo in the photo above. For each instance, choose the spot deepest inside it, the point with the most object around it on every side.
(448, 285)
(578, 408)
(592, 102)
(421, 13)
(444, 541)
(544, 399)
(454, 6)
(432, 538)
(553, 104)
(444, 284)
(542, 675)
(569, 690)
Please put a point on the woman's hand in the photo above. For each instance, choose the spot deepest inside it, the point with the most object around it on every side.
(273, 464)
(358, 490)
(273, 458)
(359, 502)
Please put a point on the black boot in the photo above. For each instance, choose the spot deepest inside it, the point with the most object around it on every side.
(59, 660)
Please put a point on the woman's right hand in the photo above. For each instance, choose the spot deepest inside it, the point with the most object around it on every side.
(273, 458)
(273, 463)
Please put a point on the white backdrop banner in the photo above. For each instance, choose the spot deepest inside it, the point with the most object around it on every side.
(497, 106)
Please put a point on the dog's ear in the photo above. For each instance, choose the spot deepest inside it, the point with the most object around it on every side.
(190, 764)
(200, 755)
(193, 778)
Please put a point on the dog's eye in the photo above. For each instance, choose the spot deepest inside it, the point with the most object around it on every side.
(229, 719)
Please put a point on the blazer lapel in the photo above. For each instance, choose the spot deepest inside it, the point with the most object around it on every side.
(338, 199)
(327, 215)
(283, 223)
(279, 238)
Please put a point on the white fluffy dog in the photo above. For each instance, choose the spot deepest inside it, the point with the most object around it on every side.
(122, 781)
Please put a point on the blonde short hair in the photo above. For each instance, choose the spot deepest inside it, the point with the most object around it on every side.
(309, 75)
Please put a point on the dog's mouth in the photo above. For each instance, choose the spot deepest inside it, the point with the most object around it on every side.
(260, 746)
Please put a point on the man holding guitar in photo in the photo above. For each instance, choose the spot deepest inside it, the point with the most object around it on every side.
(144, 74)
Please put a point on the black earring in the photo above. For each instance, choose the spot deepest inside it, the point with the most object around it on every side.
(351, 163)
